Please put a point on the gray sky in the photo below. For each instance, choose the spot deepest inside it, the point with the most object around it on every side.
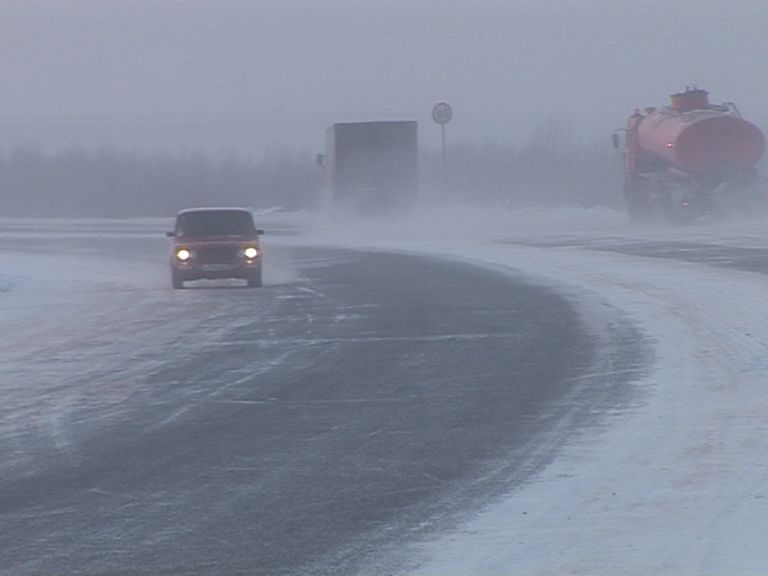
(259, 74)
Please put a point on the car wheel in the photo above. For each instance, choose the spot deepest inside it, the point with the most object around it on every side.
(254, 280)
(176, 280)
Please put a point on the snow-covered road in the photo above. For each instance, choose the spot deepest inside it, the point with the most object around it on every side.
(675, 484)
(679, 483)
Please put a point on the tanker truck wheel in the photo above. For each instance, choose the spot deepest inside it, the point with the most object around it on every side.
(639, 205)
(680, 208)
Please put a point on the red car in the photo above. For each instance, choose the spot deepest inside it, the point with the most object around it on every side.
(215, 243)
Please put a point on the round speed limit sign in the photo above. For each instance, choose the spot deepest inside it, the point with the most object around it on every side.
(442, 113)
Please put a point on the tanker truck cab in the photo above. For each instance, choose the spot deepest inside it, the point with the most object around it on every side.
(213, 243)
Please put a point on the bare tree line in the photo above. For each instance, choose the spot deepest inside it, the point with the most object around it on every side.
(78, 183)
(550, 169)
(532, 174)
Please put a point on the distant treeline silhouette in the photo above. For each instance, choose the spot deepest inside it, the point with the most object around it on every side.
(517, 176)
(550, 169)
(107, 183)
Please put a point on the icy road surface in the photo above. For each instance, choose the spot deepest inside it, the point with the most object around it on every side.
(666, 477)
(359, 401)
(679, 483)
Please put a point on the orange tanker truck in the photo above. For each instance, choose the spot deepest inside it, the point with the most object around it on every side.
(690, 159)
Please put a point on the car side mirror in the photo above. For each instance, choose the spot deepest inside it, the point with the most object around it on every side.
(171, 234)
(259, 231)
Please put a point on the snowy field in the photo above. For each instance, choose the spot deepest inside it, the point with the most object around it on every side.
(675, 484)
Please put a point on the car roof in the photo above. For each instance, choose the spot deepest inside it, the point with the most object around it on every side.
(214, 209)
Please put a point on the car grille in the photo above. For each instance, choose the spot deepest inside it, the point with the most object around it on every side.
(218, 255)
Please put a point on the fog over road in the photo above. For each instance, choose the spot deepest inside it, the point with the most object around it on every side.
(364, 401)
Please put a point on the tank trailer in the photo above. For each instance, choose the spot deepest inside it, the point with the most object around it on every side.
(689, 159)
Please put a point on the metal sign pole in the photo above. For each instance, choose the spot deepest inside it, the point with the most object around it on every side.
(442, 114)
(445, 156)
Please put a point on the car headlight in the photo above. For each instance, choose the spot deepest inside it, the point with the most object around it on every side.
(251, 253)
(183, 255)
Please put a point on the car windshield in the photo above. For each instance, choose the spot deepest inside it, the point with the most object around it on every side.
(218, 223)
